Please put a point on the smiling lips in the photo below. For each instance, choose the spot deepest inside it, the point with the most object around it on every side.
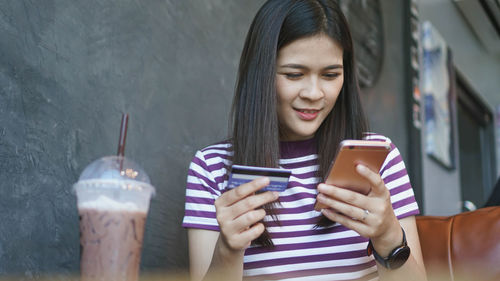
(307, 114)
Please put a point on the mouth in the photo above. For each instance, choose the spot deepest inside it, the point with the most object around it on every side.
(307, 114)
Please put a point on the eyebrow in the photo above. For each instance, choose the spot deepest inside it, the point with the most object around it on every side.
(299, 66)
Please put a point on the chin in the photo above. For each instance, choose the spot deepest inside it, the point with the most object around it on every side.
(305, 135)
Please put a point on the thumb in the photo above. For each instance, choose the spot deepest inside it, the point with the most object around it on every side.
(374, 178)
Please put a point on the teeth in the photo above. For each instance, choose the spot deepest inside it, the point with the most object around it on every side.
(308, 111)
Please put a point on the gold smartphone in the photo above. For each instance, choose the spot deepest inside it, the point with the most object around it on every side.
(342, 172)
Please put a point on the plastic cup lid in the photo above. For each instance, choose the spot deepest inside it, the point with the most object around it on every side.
(115, 168)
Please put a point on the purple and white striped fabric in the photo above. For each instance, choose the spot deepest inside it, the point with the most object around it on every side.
(302, 251)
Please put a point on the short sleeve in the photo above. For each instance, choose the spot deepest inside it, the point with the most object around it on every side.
(201, 192)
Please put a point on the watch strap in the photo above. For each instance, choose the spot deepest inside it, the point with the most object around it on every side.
(397, 257)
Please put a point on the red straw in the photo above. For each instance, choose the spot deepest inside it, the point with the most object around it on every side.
(123, 135)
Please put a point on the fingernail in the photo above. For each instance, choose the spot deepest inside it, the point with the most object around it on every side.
(276, 194)
(321, 187)
(263, 180)
(361, 168)
(319, 197)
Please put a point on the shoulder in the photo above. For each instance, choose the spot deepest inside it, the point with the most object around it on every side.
(214, 156)
(210, 164)
(375, 137)
(379, 137)
(219, 149)
(394, 159)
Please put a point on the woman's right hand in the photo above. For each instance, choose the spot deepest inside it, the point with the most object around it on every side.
(239, 214)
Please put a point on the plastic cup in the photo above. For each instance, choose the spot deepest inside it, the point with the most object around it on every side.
(113, 195)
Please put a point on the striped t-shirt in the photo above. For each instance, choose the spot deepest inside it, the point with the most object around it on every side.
(302, 251)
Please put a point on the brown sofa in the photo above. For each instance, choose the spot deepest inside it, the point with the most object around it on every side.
(465, 246)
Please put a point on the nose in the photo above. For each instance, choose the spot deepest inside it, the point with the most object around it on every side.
(312, 90)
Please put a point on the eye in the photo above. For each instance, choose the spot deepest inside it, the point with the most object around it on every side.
(331, 75)
(294, 75)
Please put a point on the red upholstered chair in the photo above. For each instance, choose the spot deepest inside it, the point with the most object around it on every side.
(465, 246)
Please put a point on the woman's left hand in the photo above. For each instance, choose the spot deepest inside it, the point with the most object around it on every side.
(369, 215)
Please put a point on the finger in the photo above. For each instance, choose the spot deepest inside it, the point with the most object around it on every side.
(242, 240)
(234, 195)
(343, 194)
(248, 219)
(252, 202)
(356, 225)
(341, 207)
(378, 185)
(251, 233)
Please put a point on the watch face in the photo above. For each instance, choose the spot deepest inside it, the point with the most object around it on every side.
(365, 22)
(399, 257)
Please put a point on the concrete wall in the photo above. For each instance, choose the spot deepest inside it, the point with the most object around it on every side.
(482, 69)
(68, 69)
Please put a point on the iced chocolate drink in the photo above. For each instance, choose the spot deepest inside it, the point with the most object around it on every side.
(111, 240)
(113, 202)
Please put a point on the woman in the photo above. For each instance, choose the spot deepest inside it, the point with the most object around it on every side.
(296, 98)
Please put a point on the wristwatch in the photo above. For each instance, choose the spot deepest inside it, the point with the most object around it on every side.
(396, 258)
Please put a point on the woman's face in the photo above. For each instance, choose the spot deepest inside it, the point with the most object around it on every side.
(309, 78)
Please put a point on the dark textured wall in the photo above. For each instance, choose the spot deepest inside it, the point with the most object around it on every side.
(385, 102)
(68, 69)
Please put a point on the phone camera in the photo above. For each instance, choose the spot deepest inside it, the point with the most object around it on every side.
(351, 147)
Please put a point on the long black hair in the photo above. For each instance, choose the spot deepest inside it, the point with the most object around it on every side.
(254, 119)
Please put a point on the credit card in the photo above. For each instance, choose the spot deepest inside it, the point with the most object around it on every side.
(242, 174)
